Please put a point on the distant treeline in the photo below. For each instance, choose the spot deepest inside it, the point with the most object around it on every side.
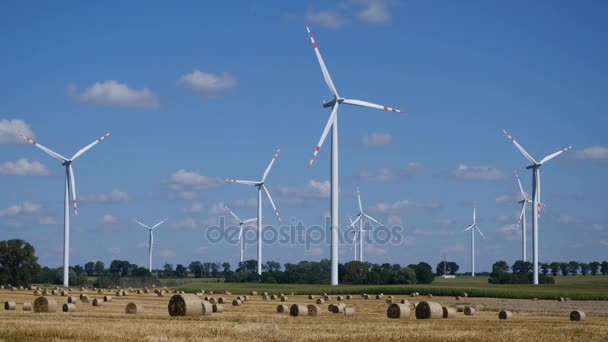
(521, 271)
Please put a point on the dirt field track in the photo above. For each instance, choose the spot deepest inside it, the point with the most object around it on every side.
(257, 320)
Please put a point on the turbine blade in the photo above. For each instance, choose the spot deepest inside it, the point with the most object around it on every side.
(469, 227)
(330, 122)
(521, 188)
(553, 155)
(235, 217)
(480, 233)
(521, 149)
(373, 219)
(270, 165)
(369, 105)
(359, 199)
(272, 202)
(250, 220)
(45, 149)
(143, 225)
(326, 76)
(73, 188)
(356, 219)
(246, 182)
(88, 147)
(474, 211)
(159, 223)
(521, 215)
(241, 232)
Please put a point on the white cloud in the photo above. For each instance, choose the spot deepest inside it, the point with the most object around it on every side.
(403, 205)
(567, 219)
(206, 82)
(456, 248)
(218, 209)
(394, 220)
(195, 208)
(596, 153)
(443, 222)
(108, 219)
(48, 220)
(388, 174)
(377, 139)
(189, 180)
(26, 208)
(375, 12)
(113, 93)
(326, 18)
(314, 189)
(512, 231)
(165, 253)
(115, 196)
(11, 130)
(503, 218)
(23, 167)
(250, 203)
(194, 224)
(481, 173)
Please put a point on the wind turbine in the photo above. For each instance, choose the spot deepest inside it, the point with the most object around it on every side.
(359, 218)
(260, 185)
(536, 203)
(472, 228)
(70, 184)
(332, 124)
(241, 223)
(151, 244)
(354, 242)
(522, 217)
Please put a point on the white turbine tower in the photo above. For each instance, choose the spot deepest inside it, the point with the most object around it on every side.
(241, 223)
(70, 184)
(472, 228)
(359, 218)
(332, 124)
(522, 218)
(260, 185)
(151, 244)
(354, 241)
(536, 203)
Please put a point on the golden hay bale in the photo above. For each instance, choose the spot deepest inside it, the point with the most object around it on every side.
(311, 297)
(27, 306)
(265, 293)
(313, 310)
(567, 299)
(561, 299)
(577, 315)
(297, 310)
(68, 307)
(212, 300)
(367, 296)
(82, 289)
(45, 292)
(413, 294)
(13, 288)
(100, 291)
(330, 308)
(221, 300)
(405, 301)
(458, 298)
(84, 299)
(264, 297)
(133, 308)
(10, 305)
(54, 292)
(505, 314)
(64, 293)
(349, 311)
(72, 299)
(284, 299)
(210, 292)
(160, 294)
(292, 293)
(430, 295)
(429, 310)
(339, 298)
(379, 296)
(239, 298)
(459, 308)
(448, 312)
(185, 305)
(320, 301)
(245, 298)
(327, 297)
(535, 299)
(273, 297)
(207, 308)
(469, 310)
(465, 294)
(363, 295)
(253, 293)
(398, 311)
(146, 291)
(37, 293)
(349, 297)
(390, 301)
(338, 308)
(44, 304)
(227, 293)
(324, 294)
(236, 302)
(97, 302)
(282, 308)
(107, 299)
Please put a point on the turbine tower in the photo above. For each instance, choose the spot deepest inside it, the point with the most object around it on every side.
(332, 124)
(241, 223)
(472, 228)
(70, 184)
(151, 244)
(260, 185)
(522, 218)
(536, 203)
(359, 218)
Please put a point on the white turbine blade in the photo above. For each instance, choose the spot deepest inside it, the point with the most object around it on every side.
(359, 199)
(370, 105)
(250, 220)
(326, 76)
(45, 149)
(480, 233)
(272, 202)
(469, 227)
(538, 194)
(246, 182)
(235, 217)
(523, 210)
(373, 219)
(356, 220)
(88, 147)
(143, 225)
(73, 188)
(521, 149)
(351, 221)
(521, 188)
(330, 122)
(553, 155)
(159, 223)
(474, 211)
(241, 232)
(270, 165)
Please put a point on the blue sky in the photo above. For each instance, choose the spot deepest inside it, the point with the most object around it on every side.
(195, 93)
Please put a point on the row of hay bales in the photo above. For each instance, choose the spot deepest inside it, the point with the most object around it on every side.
(48, 305)
(191, 305)
(314, 310)
(221, 300)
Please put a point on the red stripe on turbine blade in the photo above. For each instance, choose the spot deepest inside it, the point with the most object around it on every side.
(318, 148)
(385, 108)
(310, 34)
(314, 45)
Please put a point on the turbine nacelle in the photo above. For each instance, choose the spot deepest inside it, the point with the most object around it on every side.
(331, 103)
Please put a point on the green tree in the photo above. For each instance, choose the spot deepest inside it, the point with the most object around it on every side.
(168, 270)
(100, 268)
(424, 273)
(226, 269)
(181, 271)
(78, 269)
(272, 267)
(573, 267)
(89, 267)
(196, 268)
(555, 267)
(500, 266)
(604, 268)
(594, 267)
(563, 267)
(18, 262)
(356, 272)
(584, 268)
(544, 267)
(522, 267)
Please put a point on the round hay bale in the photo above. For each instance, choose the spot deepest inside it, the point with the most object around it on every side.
(217, 308)
(413, 294)
(535, 299)
(265, 293)
(448, 312)
(210, 292)
(429, 310)
(469, 310)
(100, 291)
(349, 297)
(363, 295)
(379, 296)
(313, 310)
(311, 297)
(398, 311)
(459, 308)
(107, 299)
(338, 308)
(212, 300)
(84, 299)
(228, 293)
(390, 301)
(567, 299)
(185, 305)
(64, 293)
(264, 297)
(458, 298)
(367, 296)
(82, 289)
(54, 292)
(221, 300)
(430, 295)
(253, 293)
(282, 308)
(72, 299)
(273, 297)
(245, 298)
(138, 292)
(97, 302)
(160, 294)
(13, 288)
(10, 305)
(146, 291)
(27, 306)
(236, 302)
(239, 298)
(405, 301)
(349, 311)
(207, 308)
(284, 299)
(465, 294)
(297, 310)
(68, 307)
(320, 301)
(37, 293)
(327, 297)
(45, 292)
(505, 314)
(133, 308)
(561, 299)
(339, 298)
(44, 304)
(577, 315)
(292, 293)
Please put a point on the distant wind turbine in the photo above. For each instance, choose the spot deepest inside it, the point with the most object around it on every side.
(151, 244)
(472, 228)
(522, 217)
(359, 218)
(241, 223)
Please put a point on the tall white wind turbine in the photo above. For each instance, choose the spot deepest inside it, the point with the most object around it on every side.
(241, 224)
(151, 244)
(261, 186)
(359, 218)
(332, 124)
(472, 228)
(70, 184)
(522, 218)
(536, 202)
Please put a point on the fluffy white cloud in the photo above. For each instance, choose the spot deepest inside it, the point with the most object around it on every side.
(389, 174)
(375, 12)
(206, 82)
(314, 189)
(11, 130)
(326, 18)
(195, 208)
(596, 153)
(394, 220)
(114, 93)
(114, 196)
(377, 139)
(26, 208)
(512, 231)
(481, 173)
(510, 198)
(190, 180)
(218, 208)
(23, 167)
(568, 219)
(404, 205)
(108, 219)
(47, 220)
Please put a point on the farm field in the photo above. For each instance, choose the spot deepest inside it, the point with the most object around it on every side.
(257, 320)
